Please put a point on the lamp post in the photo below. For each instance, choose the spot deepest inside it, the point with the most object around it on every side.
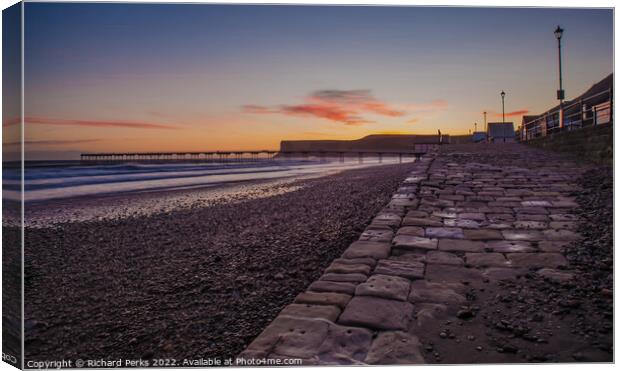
(503, 112)
(486, 129)
(560, 95)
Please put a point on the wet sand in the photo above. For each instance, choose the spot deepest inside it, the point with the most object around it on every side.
(198, 281)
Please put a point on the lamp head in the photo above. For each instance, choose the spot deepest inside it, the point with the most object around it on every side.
(558, 33)
(502, 94)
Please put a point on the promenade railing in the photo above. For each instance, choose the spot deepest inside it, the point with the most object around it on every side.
(594, 109)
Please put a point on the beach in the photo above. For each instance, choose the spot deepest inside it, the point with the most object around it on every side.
(185, 282)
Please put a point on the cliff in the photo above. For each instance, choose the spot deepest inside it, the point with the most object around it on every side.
(371, 143)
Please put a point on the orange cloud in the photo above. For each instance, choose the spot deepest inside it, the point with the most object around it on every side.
(344, 106)
(511, 114)
(91, 123)
(54, 142)
(412, 121)
(12, 121)
(329, 112)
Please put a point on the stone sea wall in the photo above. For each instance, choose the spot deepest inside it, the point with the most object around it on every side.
(594, 143)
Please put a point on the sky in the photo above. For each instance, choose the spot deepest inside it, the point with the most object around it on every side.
(178, 77)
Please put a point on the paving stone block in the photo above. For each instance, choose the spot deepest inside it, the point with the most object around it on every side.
(563, 217)
(292, 337)
(328, 312)
(568, 204)
(564, 225)
(498, 226)
(409, 257)
(461, 223)
(331, 286)
(388, 287)
(403, 202)
(323, 298)
(386, 223)
(392, 348)
(509, 199)
(445, 214)
(444, 232)
(421, 222)
(500, 274)
(423, 291)
(506, 246)
(442, 257)
(500, 218)
(366, 261)
(530, 224)
(430, 315)
(379, 226)
(499, 210)
(377, 235)
(367, 249)
(408, 242)
(538, 260)
(388, 216)
(344, 277)
(451, 273)
(473, 216)
(534, 217)
(480, 198)
(486, 259)
(536, 203)
(531, 210)
(430, 209)
(410, 270)
(434, 201)
(414, 179)
(553, 246)
(482, 234)
(461, 245)
(417, 214)
(344, 345)
(523, 235)
(452, 197)
(494, 204)
(337, 267)
(407, 195)
(411, 231)
(377, 313)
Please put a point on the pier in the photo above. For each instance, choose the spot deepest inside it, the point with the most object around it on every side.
(238, 156)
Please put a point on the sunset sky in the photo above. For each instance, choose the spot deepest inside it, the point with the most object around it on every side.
(132, 77)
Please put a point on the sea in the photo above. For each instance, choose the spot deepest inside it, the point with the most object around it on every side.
(47, 180)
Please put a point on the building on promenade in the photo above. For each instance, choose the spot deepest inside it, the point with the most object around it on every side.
(479, 137)
(501, 132)
(593, 107)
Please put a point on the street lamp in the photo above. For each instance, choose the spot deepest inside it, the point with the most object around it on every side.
(558, 35)
(503, 112)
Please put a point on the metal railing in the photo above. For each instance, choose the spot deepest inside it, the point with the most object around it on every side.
(595, 109)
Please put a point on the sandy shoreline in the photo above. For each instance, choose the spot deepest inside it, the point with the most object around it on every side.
(194, 281)
(47, 213)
